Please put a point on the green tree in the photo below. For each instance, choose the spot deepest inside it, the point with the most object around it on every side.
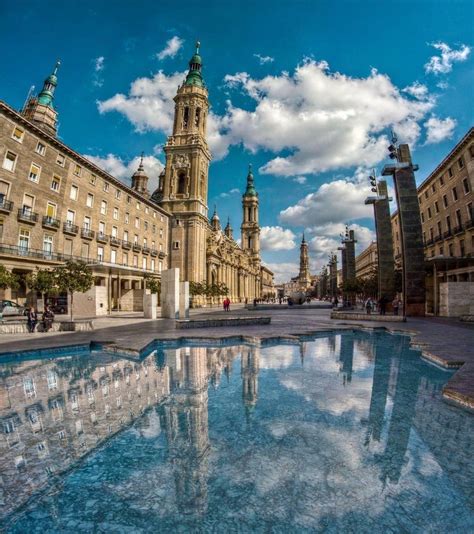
(8, 279)
(74, 276)
(152, 283)
(42, 281)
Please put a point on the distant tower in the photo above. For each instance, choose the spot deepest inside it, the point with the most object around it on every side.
(304, 276)
(40, 109)
(250, 228)
(140, 180)
(228, 230)
(184, 185)
(215, 221)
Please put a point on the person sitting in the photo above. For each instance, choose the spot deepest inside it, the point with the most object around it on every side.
(48, 318)
(31, 320)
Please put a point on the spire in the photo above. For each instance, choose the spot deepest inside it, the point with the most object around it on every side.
(215, 221)
(140, 179)
(194, 76)
(250, 191)
(46, 96)
(303, 242)
(228, 229)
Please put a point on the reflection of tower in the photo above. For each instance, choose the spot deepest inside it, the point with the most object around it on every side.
(404, 404)
(249, 369)
(346, 357)
(378, 398)
(185, 418)
(303, 347)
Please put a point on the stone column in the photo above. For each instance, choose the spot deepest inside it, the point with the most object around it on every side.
(170, 293)
(411, 235)
(383, 229)
(184, 300)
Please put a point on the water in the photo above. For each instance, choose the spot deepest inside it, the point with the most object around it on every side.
(340, 433)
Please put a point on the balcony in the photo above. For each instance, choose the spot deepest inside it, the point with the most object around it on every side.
(458, 229)
(6, 206)
(438, 238)
(146, 251)
(87, 233)
(27, 216)
(161, 254)
(51, 223)
(38, 254)
(126, 245)
(448, 233)
(429, 242)
(470, 223)
(154, 252)
(102, 238)
(115, 241)
(136, 247)
(70, 228)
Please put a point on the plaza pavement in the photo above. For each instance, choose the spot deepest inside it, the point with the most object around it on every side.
(447, 342)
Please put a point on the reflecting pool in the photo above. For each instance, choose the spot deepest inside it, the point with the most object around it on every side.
(342, 432)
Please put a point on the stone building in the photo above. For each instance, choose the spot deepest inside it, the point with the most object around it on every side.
(366, 262)
(446, 206)
(57, 205)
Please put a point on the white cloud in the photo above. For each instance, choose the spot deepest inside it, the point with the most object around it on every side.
(283, 271)
(99, 63)
(326, 120)
(276, 238)
(123, 170)
(443, 63)
(264, 59)
(300, 179)
(229, 193)
(172, 47)
(439, 129)
(417, 90)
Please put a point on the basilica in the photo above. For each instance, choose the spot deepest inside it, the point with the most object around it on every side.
(55, 205)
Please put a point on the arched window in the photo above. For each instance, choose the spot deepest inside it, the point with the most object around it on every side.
(186, 117)
(181, 183)
(197, 117)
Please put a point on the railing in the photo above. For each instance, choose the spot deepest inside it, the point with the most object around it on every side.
(136, 247)
(70, 228)
(126, 245)
(40, 254)
(458, 229)
(161, 254)
(154, 252)
(438, 237)
(429, 242)
(102, 238)
(27, 216)
(6, 206)
(145, 250)
(86, 233)
(51, 222)
(115, 241)
(448, 233)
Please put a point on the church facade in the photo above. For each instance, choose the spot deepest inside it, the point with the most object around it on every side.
(56, 205)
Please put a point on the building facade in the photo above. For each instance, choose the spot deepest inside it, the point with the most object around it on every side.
(57, 205)
(366, 262)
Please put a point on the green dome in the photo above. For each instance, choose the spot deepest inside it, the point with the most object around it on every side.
(194, 76)
(250, 191)
(195, 59)
(46, 96)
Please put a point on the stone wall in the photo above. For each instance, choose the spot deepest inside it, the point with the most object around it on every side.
(456, 299)
(131, 300)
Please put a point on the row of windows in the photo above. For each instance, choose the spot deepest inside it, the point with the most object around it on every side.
(459, 222)
(455, 197)
(450, 173)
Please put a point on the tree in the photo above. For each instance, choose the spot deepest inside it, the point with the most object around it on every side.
(74, 276)
(152, 283)
(7, 278)
(43, 281)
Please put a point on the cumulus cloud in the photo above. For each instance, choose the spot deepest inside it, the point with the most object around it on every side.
(439, 129)
(172, 47)
(123, 170)
(443, 63)
(226, 194)
(417, 90)
(99, 63)
(276, 238)
(300, 179)
(283, 271)
(325, 120)
(264, 59)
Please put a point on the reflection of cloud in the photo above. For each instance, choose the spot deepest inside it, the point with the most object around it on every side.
(279, 357)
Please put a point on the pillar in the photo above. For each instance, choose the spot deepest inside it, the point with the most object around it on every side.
(170, 293)
(184, 300)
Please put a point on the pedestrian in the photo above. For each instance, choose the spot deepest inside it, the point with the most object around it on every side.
(254, 303)
(382, 305)
(32, 320)
(395, 306)
(48, 318)
(368, 306)
(336, 302)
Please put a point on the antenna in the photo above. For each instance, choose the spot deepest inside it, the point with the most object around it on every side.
(30, 92)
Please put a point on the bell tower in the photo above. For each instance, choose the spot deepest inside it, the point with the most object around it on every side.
(183, 188)
(250, 228)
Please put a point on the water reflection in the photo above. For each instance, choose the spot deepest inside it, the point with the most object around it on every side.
(307, 403)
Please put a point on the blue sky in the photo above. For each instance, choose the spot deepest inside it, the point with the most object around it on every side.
(305, 91)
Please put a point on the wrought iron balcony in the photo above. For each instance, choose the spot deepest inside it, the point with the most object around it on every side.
(39, 254)
(458, 229)
(27, 216)
(70, 228)
(87, 233)
(102, 238)
(448, 233)
(146, 251)
(438, 237)
(126, 245)
(154, 252)
(136, 247)
(6, 206)
(115, 241)
(51, 223)
(161, 254)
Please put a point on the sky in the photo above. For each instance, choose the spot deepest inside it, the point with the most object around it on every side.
(306, 91)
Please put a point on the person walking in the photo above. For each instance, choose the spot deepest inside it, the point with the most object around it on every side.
(48, 318)
(31, 320)
(368, 306)
(382, 305)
